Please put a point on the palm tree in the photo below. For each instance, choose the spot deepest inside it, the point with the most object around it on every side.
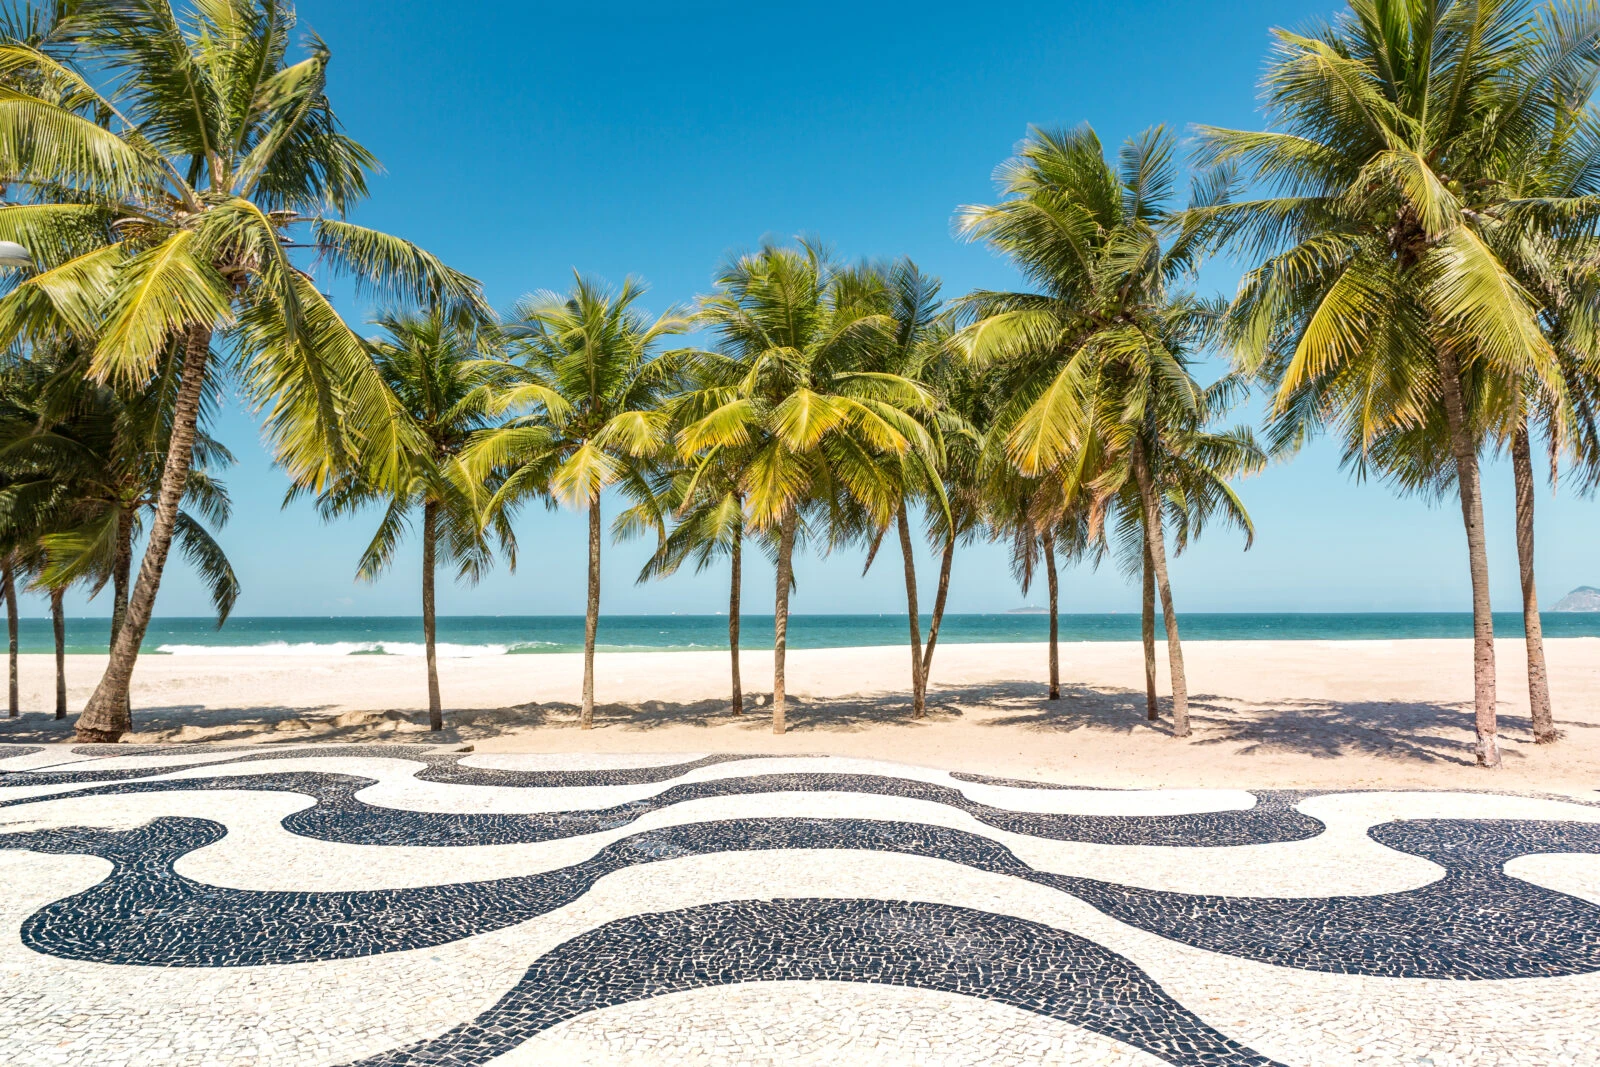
(704, 528)
(918, 338)
(441, 372)
(1557, 266)
(1195, 473)
(164, 161)
(81, 465)
(795, 392)
(1380, 296)
(1096, 365)
(590, 388)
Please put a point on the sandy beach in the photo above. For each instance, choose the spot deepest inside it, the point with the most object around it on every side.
(1392, 714)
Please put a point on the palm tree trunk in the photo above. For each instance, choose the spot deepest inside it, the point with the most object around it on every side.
(735, 582)
(780, 619)
(121, 580)
(591, 613)
(1544, 724)
(1054, 585)
(1147, 630)
(1466, 457)
(8, 580)
(106, 717)
(939, 599)
(430, 535)
(121, 565)
(1156, 541)
(58, 623)
(918, 692)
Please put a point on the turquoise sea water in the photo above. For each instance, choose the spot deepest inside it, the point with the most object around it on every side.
(534, 634)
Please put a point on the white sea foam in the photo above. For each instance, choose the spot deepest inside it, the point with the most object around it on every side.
(444, 650)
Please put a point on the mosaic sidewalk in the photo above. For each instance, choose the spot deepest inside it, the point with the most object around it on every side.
(419, 905)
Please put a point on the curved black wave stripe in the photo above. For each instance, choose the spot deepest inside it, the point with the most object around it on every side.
(922, 946)
(439, 767)
(1475, 923)
(339, 816)
(7, 750)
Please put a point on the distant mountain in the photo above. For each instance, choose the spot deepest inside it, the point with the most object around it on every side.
(1583, 598)
(1030, 610)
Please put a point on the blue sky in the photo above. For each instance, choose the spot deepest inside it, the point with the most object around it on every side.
(523, 140)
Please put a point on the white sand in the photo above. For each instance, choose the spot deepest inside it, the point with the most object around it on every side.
(1284, 713)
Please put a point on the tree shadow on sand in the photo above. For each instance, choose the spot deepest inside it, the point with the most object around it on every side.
(1418, 731)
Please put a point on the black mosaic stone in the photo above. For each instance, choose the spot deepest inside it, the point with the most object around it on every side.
(1475, 923)
(922, 946)
(8, 750)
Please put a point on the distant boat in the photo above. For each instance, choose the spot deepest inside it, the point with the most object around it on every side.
(1583, 598)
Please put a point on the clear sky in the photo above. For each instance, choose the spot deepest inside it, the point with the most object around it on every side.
(523, 140)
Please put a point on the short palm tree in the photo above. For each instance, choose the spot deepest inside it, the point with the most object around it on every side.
(1380, 297)
(164, 160)
(703, 528)
(1195, 469)
(443, 374)
(797, 396)
(1096, 364)
(588, 397)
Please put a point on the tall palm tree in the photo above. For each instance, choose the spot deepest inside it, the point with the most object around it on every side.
(1380, 296)
(589, 393)
(1556, 258)
(798, 395)
(1097, 363)
(163, 162)
(917, 339)
(441, 371)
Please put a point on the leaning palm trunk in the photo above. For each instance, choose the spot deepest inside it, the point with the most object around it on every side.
(1147, 630)
(918, 690)
(734, 584)
(1051, 580)
(591, 614)
(8, 579)
(58, 623)
(430, 535)
(939, 599)
(106, 717)
(122, 579)
(1156, 542)
(1544, 725)
(780, 620)
(1466, 457)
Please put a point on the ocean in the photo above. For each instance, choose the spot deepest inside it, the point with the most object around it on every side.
(467, 636)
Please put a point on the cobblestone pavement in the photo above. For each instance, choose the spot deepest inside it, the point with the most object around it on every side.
(419, 904)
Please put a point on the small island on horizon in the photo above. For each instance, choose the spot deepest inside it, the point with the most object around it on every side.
(1583, 598)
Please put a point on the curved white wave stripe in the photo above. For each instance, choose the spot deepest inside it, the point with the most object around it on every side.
(767, 1024)
(325, 1013)
(1064, 800)
(1575, 874)
(397, 787)
(577, 761)
(259, 854)
(51, 755)
(444, 649)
